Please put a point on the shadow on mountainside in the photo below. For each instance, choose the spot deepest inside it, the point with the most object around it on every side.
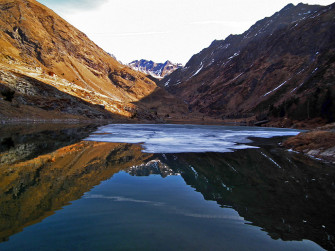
(35, 100)
(165, 107)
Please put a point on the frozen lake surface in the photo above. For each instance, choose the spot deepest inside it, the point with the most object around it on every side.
(157, 138)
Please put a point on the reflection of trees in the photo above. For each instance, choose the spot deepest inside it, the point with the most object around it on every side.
(33, 189)
(287, 195)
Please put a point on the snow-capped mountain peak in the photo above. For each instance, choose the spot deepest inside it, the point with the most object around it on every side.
(157, 70)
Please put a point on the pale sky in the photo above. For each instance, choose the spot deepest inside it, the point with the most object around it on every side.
(161, 30)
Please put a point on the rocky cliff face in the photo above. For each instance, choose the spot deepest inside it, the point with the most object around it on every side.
(157, 70)
(38, 45)
(283, 66)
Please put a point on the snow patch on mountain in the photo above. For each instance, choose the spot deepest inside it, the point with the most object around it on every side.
(157, 70)
(201, 66)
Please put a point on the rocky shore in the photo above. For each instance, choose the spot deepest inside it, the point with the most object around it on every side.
(318, 143)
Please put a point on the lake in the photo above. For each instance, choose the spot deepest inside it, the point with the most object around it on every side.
(161, 187)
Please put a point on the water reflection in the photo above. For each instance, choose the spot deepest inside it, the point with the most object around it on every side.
(289, 196)
(33, 186)
(154, 166)
(24, 142)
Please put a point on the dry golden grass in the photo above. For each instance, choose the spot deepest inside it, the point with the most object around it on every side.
(38, 43)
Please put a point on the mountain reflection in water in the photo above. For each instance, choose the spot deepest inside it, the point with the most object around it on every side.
(288, 195)
(33, 188)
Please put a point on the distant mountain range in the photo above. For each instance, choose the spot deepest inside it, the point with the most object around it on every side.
(157, 70)
(282, 67)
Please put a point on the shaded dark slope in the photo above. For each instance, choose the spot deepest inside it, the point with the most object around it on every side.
(222, 50)
(35, 100)
(282, 66)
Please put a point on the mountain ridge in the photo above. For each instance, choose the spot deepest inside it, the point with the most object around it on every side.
(222, 49)
(270, 71)
(156, 70)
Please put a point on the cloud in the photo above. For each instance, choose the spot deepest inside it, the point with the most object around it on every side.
(131, 34)
(224, 23)
(72, 5)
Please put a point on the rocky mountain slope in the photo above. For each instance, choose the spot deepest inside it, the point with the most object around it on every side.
(40, 50)
(157, 70)
(283, 66)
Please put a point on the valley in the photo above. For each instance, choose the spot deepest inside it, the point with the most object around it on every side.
(262, 77)
(235, 149)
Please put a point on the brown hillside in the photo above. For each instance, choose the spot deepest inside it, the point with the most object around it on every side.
(37, 43)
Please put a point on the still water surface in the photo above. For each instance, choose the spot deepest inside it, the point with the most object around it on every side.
(80, 188)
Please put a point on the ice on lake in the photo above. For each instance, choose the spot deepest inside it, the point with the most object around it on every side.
(163, 138)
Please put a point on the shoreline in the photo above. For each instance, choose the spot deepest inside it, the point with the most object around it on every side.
(317, 143)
